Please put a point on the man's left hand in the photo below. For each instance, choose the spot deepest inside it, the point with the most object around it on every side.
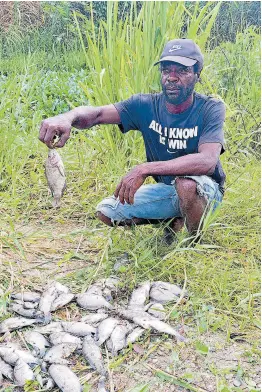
(129, 184)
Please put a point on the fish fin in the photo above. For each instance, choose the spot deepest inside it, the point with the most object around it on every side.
(61, 170)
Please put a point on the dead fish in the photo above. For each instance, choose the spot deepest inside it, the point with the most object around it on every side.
(37, 341)
(60, 288)
(64, 378)
(6, 370)
(49, 383)
(61, 301)
(30, 305)
(22, 373)
(92, 302)
(105, 329)
(77, 328)
(27, 357)
(55, 175)
(94, 318)
(30, 296)
(48, 296)
(56, 354)
(29, 313)
(112, 282)
(147, 321)
(8, 355)
(157, 310)
(118, 337)
(101, 385)
(107, 294)
(140, 295)
(93, 354)
(64, 337)
(13, 323)
(95, 289)
(163, 292)
(134, 335)
(55, 326)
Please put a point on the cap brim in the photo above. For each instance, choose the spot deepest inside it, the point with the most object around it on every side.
(178, 59)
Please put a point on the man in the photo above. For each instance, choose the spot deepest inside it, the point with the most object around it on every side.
(183, 136)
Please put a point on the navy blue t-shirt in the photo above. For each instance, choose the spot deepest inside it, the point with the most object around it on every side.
(168, 136)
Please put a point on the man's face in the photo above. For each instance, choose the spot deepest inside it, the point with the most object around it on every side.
(178, 81)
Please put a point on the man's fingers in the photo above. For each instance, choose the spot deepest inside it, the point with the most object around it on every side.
(49, 136)
(132, 195)
(62, 141)
(116, 193)
(121, 193)
(42, 131)
(127, 194)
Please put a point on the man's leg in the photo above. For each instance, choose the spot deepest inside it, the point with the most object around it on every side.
(127, 222)
(192, 205)
(153, 204)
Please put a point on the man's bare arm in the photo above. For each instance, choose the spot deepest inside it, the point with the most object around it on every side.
(82, 117)
(201, 163)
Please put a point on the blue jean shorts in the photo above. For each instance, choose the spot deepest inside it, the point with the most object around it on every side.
(158, 201)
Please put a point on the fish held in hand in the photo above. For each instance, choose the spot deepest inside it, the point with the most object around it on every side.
(55, 175)
(64, 378)
(92, 302)
(93, 355)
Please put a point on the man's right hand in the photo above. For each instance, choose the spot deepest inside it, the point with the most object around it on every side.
(55, 126)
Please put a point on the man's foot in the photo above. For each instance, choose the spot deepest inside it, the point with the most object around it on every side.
(170, 231)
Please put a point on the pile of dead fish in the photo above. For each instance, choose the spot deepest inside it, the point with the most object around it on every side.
(51, 343)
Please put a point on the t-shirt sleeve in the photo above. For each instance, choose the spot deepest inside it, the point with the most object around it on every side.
(129, 111)
(213, 122)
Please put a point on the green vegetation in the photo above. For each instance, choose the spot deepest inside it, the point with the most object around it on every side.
(108, 62)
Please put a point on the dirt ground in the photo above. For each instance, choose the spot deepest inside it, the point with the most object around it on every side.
(156, 362)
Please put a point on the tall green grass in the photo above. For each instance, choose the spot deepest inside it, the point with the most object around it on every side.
(223, 272)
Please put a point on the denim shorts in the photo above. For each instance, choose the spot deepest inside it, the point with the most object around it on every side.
(158, 201)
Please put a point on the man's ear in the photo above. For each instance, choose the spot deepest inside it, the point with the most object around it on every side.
(198, 79)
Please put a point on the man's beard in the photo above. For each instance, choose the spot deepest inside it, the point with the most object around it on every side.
(180, 96)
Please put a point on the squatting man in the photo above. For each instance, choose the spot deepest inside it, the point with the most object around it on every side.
(183, 137)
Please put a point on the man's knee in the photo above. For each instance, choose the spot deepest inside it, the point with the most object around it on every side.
(105, 219)
(186, 188)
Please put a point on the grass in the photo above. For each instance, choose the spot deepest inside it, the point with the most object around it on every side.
(223, 272)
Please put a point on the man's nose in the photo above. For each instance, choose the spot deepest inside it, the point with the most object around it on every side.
(173, 76)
